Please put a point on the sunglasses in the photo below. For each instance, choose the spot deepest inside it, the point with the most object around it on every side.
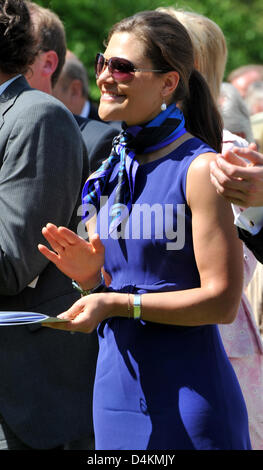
(122, 70)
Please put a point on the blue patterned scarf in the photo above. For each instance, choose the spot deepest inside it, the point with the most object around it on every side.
(161, 131)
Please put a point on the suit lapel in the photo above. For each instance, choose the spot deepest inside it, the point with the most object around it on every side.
(9, 96)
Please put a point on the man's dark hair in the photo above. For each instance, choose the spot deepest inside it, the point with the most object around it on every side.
(18, 47)
(50, 33)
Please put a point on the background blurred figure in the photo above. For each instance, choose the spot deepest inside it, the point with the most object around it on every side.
(254, 97)
(72, 88)
(257, 127)
(243, 76)
(234, 112)
(238, 176)
(237, 120)
(207, 37)
(241, 338)
(254, 100)
(44, 74)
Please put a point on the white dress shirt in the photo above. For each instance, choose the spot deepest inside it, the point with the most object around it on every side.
(6, 84)
(250, 219)
(86, 110)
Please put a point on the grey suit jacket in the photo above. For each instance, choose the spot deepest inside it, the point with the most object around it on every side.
(46, 376)
(98, 137)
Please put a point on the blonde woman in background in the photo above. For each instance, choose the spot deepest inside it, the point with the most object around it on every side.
(241, 338)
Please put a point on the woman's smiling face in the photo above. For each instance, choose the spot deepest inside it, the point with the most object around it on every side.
(138, 100)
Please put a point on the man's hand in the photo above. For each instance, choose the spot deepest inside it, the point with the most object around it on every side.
(238, 176)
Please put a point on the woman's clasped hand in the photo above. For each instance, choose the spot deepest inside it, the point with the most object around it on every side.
(72, 255)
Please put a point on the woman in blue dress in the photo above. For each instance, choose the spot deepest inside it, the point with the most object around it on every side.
(168, 248)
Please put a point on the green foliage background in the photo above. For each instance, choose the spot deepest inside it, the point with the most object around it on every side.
(88, 21)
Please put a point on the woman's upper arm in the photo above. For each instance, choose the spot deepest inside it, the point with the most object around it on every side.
(218, 250)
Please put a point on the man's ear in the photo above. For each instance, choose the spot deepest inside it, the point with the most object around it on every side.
(50, 63)
(76, 88)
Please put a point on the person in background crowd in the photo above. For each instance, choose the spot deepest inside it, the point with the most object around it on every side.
(157, 323)
(72, 88)
(46, 378)
(235, 113)
(257, 127)
(243, 76)
(254, 100)
(241, 338)
(238, 176)
(44, 75)
(236, 119)
(254, 97)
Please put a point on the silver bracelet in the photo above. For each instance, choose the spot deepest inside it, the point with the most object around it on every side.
(98, 288)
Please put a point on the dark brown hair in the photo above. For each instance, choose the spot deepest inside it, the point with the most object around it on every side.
(50, 34)
(18, 47)
(169, 47)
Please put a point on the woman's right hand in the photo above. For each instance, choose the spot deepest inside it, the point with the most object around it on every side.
(74, 256)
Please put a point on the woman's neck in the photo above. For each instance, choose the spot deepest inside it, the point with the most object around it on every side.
(150, 157)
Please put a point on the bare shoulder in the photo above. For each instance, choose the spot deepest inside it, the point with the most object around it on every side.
(198, 179)
(201, 164)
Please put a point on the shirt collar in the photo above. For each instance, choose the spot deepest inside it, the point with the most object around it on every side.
(86, 110)
(6, 84)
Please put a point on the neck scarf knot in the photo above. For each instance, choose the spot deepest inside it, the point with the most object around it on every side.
(165, 128)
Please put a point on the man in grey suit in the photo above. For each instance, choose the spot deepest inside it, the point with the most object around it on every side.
(46, 376)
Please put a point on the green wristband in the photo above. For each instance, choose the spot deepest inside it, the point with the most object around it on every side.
(137, 307)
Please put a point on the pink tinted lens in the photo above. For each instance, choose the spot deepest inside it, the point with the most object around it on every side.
(122, 70)
(122, 76)
(99, 64)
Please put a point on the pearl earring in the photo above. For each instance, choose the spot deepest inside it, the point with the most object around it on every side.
(163, 106)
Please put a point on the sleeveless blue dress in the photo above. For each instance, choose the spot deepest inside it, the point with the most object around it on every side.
(162, 387)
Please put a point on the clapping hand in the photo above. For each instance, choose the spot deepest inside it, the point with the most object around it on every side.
(77, 258)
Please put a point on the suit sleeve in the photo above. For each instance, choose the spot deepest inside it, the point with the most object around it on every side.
(253, 242)
(40, 181)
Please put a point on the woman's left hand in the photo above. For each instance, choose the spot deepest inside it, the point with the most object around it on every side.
(85, 314)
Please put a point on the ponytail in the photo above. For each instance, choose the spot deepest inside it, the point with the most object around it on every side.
(202, 117)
